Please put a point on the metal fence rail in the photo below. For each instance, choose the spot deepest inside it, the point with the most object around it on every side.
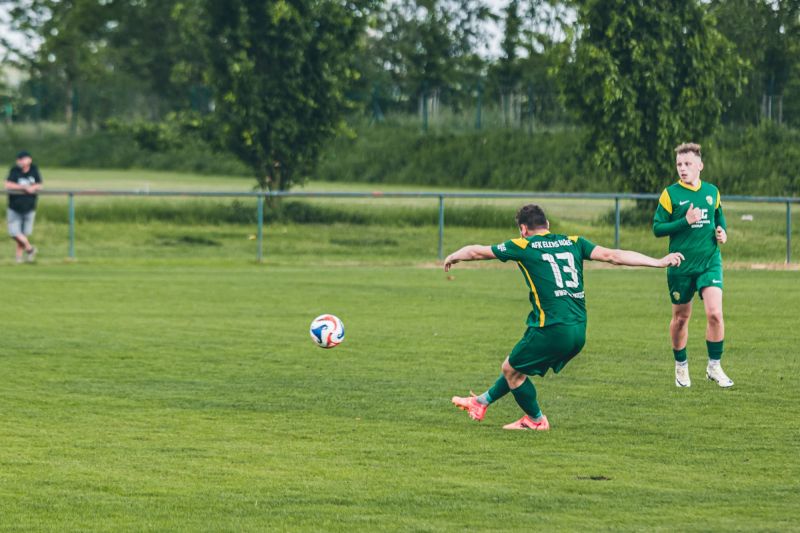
(440, 196)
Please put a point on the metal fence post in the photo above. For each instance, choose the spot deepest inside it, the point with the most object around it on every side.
(260, 233)
(71, 215)
(616, 222)
(441, 227)
(788, 232)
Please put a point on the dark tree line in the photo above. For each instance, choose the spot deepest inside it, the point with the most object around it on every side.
(272, 80)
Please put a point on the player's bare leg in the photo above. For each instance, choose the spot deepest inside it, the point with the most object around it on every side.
(679, 326)
(712, 299)
(513, 377)
(715, 333)
(679, 332)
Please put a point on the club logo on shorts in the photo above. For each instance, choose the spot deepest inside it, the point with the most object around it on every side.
(709, 200)
(676, 295)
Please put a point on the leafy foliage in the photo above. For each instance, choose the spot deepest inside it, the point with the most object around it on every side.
(279, 71)
(755, 160)
(644, 77)
(767, 35)
(429, 45)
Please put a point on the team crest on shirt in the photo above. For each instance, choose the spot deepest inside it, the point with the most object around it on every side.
(676, 295)
(709, 200)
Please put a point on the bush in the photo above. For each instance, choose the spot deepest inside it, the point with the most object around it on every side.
(761, 160)
(497, 159)
(142, 145)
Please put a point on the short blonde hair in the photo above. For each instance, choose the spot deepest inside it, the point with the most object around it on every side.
(685, 148)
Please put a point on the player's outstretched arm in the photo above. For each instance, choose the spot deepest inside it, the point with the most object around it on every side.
(631, 258)
(473, 252)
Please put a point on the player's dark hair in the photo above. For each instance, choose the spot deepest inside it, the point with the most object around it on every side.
(532, 216)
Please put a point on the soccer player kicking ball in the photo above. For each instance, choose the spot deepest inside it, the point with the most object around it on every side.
(690, 212)
(552, 266)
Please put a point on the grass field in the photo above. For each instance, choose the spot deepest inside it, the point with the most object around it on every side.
(190, 398)
(166, 382)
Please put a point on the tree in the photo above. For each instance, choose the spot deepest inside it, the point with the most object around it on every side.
(279, 71)
(645, 76)
(507, 67)
(103, 59)
(767, 34)
(71, 33)
(148, 42)
(430, 46)
(533, 37)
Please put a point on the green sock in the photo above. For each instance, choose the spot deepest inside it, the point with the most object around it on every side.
(680, 355)
(525, 395)
(714, 349)
(495, 392)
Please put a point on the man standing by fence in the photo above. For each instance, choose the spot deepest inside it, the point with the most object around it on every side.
(25, 181)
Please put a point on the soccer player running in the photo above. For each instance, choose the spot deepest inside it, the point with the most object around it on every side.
(690, 213)
(552, 267)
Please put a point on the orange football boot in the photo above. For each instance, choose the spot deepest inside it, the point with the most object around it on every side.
(471, 405)
(527, 422)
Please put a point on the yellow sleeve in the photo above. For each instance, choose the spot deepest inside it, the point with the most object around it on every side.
(666, 201)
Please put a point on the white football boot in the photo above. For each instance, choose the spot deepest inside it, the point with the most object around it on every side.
(715, 373)
(682, 378)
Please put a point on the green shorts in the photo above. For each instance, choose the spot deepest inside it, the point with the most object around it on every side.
(549, 347)
(682, 287)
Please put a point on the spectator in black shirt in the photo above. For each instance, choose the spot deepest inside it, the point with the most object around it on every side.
(25, 180)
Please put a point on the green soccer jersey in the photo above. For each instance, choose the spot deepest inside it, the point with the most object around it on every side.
(697, 242)
(552, 266)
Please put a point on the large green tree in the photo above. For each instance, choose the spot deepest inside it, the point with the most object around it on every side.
(645, 76)
(279, 71)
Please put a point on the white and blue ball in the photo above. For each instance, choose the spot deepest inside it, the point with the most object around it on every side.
(327, 331)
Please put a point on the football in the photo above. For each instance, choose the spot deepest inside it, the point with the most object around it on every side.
(327, 331)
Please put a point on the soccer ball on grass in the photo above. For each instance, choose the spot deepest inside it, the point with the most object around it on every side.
(327, 331)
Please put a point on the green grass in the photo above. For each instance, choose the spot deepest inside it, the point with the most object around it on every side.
(186, 396)
(167, 382)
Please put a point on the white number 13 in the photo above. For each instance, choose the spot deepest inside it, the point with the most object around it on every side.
(568, 268)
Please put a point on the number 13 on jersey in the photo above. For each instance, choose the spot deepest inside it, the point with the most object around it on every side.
(557, 264)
